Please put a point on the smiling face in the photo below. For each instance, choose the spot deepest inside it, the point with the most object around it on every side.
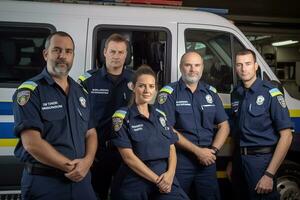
(144, 89)
(59, 55)
(246, 68)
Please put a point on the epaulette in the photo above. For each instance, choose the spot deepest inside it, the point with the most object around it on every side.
(85, 76)
(167, 89)
(161, 112)
(120, 114)
(30, 85)
(275, 92)
(213, 89)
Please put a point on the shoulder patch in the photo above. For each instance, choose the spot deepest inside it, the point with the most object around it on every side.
(22, 97)
(30, 85)
(275, 92)
(161, 112)
(167, 89)
(85, 76)
(211, 88)
(117, 119)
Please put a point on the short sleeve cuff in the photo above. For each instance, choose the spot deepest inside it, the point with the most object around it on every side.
(121, 143)
(27, 124)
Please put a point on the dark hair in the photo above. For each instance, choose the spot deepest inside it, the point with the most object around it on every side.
(60, 33)
(116, 38)
(246, 52)
(142, 70)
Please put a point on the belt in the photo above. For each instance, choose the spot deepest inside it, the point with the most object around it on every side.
(43, 170)
(256, 150)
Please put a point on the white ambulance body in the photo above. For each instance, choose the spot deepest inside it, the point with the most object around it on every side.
(158, 37)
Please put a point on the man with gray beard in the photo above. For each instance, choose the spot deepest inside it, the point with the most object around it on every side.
(194, 109)
(58, 140)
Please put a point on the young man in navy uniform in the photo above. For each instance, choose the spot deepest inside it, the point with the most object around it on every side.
(194, 109)
(57, 142)
(261, 127)
(108, 89)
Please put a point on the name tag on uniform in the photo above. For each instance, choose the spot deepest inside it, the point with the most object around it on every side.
(51, 105)
(138, 127)
(182, 103)
(100, 91)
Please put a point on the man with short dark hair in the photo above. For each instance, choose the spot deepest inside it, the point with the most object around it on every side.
(109, 89)
(57, 142)
(261, 129)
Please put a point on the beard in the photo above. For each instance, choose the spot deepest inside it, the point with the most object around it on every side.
(191, 79)
(59, 70)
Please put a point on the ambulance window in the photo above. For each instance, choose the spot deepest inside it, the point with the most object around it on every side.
(147, 45)
(215, 47)
(21, 48)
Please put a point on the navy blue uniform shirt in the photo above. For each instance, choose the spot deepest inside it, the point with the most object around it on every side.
(258, 114)
(62, 120)
(106, 96)
(149, 138)
(195, 115)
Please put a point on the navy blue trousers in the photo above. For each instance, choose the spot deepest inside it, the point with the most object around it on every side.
(127, 185)
(247, 170)
(35, 187)
(197, 180)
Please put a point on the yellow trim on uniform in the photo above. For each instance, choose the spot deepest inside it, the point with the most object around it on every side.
(221, 174)
(8, 142)
(119, 115)
(27, 86)
(294, 113)
(82, 78)
(227, 106)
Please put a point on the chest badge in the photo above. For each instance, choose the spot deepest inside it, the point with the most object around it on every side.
(82, 102)
(162, 121)
(209, 98)
(260, 100)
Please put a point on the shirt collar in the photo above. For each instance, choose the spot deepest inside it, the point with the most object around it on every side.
(183, 86)
(134, 112)
(47, 76)
(254, 87)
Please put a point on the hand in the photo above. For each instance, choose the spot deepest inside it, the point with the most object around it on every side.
(205, 156)
(264, 185)
(229, 170)
(80, 170)
(165, 181)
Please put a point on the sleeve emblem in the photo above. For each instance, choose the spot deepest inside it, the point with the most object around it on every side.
(23, 97)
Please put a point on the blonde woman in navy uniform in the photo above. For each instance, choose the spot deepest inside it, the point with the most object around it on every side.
(146, 144)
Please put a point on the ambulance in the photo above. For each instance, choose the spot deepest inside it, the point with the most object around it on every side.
(157, 37)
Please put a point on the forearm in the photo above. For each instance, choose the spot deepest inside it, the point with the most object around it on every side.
(185, 143)
(221, 135)
(91, 145)
(137, 165)
(42, 151)
(172, 161)
(281, 150)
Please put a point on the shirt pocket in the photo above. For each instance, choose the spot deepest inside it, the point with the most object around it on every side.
(184, 117)
(257, 119)
(138, 136)
(53, 114)
(208, 117)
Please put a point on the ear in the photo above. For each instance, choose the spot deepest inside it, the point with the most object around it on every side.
(256, 66)
(45, 54)
(104, 52)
